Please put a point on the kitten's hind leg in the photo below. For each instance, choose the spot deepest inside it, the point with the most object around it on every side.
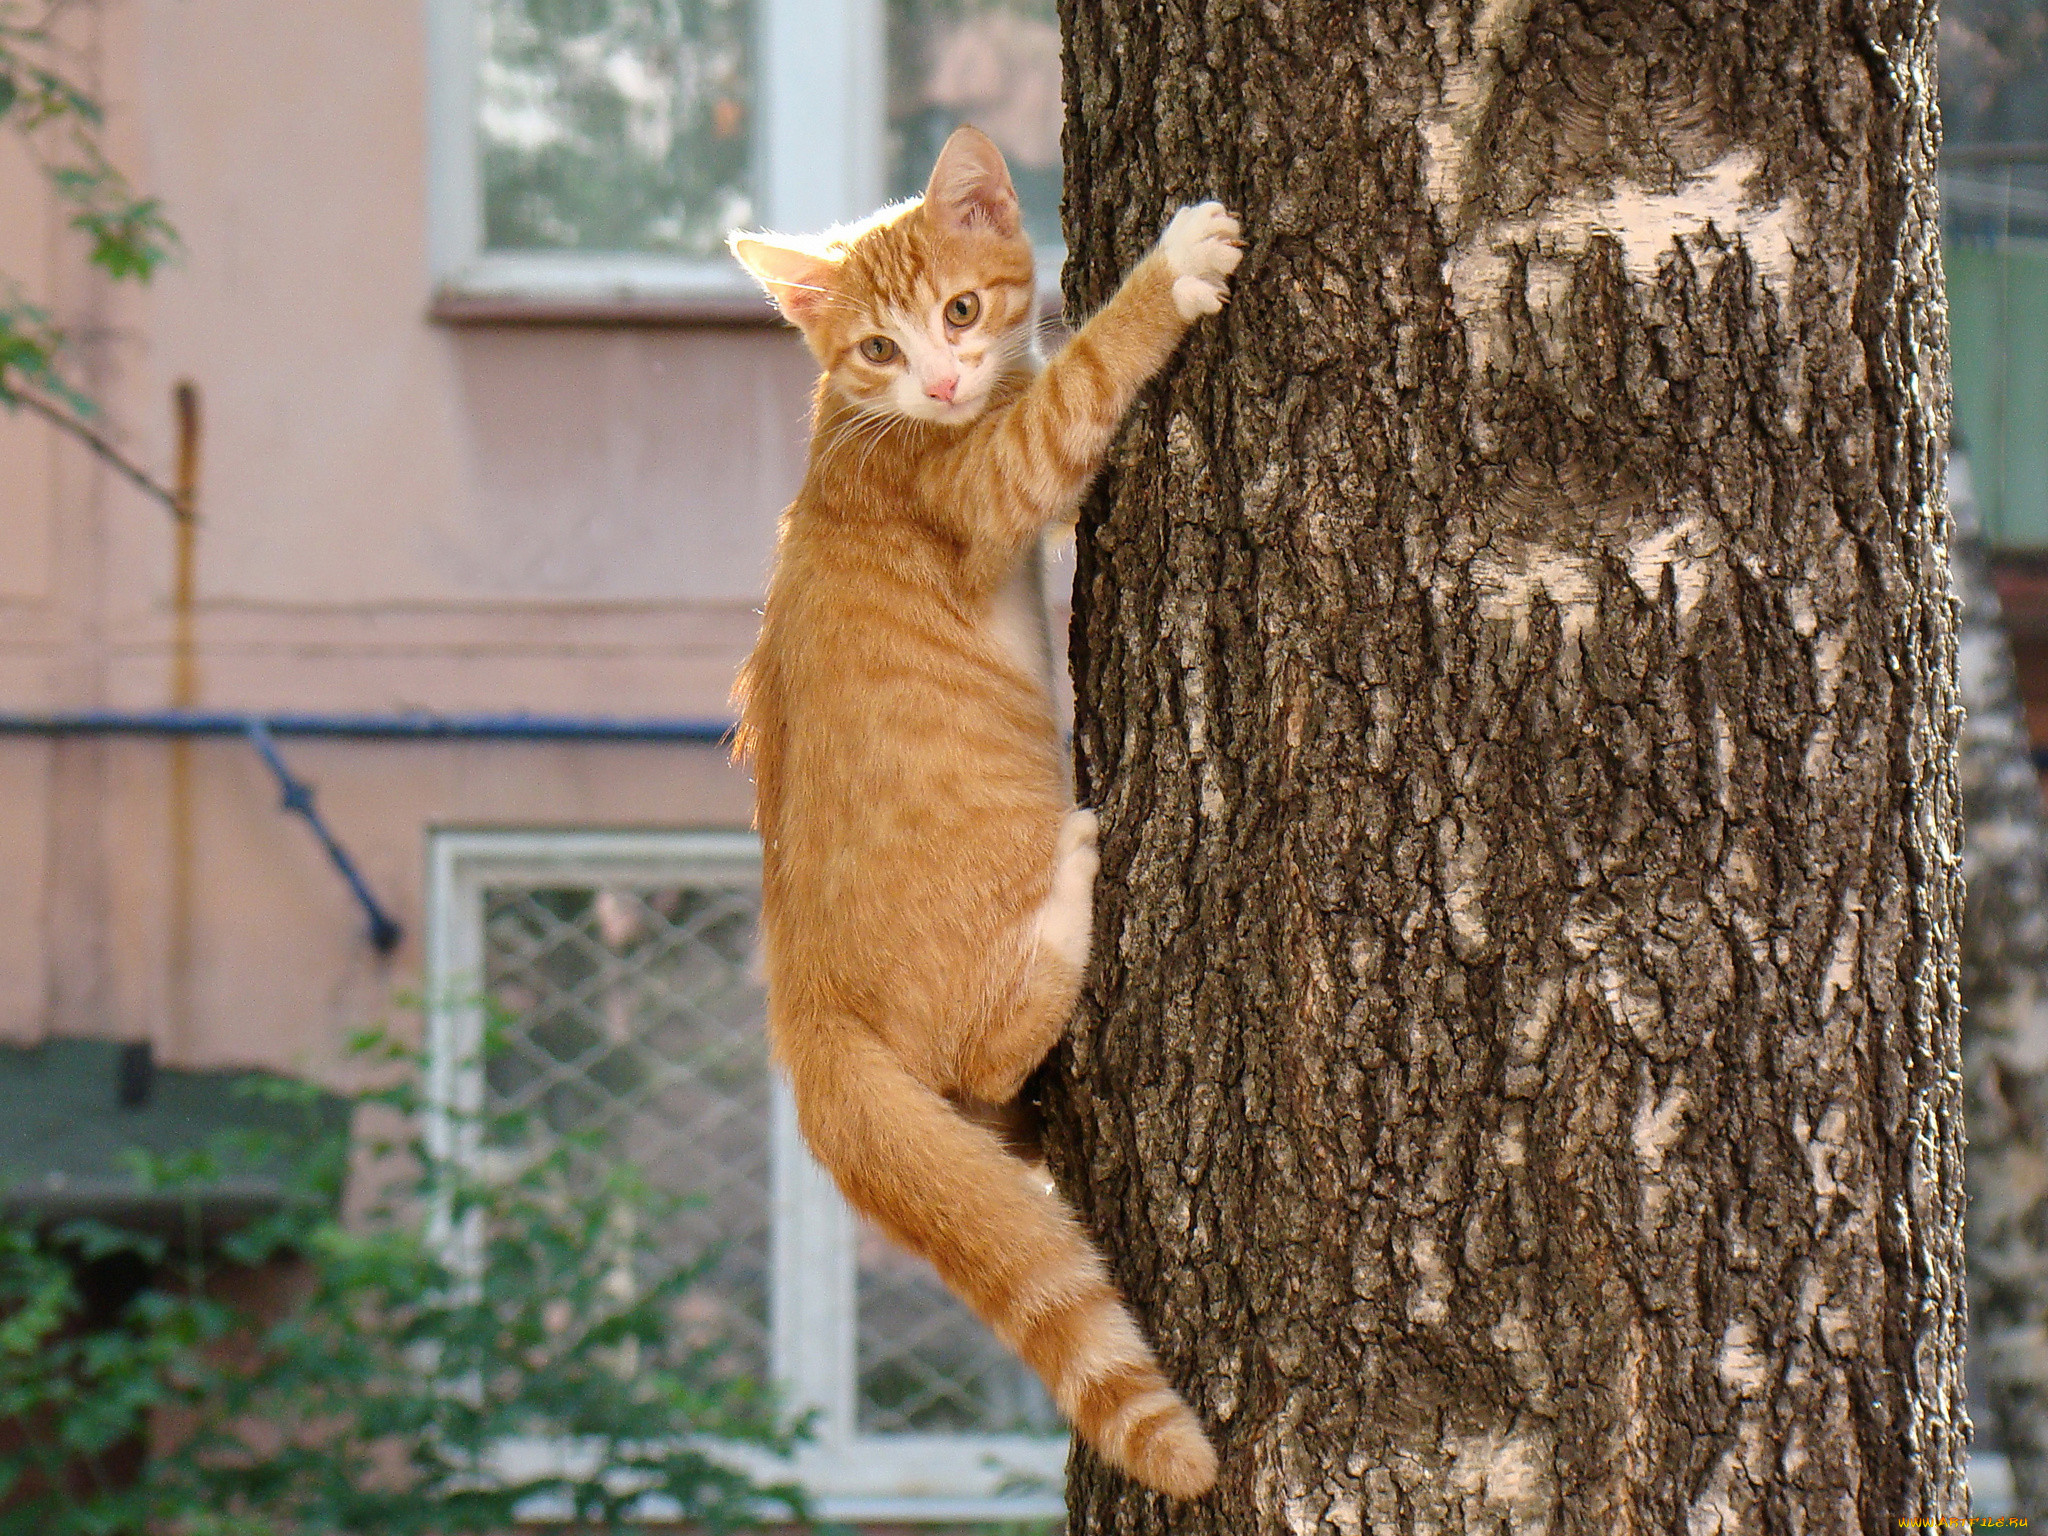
(1059, 937)
(1017, 1125)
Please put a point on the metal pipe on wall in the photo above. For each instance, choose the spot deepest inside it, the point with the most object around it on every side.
(184, 695)
(411, 726)
(259, 730)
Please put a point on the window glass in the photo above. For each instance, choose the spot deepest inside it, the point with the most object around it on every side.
(992, 63)
(614, 125)
(628, 1017)
(1994, 186)
(927, 1365)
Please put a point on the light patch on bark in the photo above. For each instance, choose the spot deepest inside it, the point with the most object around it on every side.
(1799, 605)
(1532, 1027)
(1585, 932)
(1512, 1334)
(1740, 1366)
(1382, 740)
(1429, 1302)
(1470, 74)
(1840, 976)
(1511, 1145)
(1724, 762)
(1508, 588)
(1510, 1473)
(1658, 1125)
(1630, 1003)
(1648, 225)
(1463, 849)
(1821, 1147)
(1838, 1329)
(1298, 1511)
(1509, 575)
(1184, 445)
(1307, 1496)
(1827, 666)
(1727, 1504)
(1685, 549)
(1819, 761)
(1190, 647)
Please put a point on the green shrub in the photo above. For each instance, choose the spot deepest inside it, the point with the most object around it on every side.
(468, 1317)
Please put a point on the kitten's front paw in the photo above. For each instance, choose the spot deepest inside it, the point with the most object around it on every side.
(1202, 249)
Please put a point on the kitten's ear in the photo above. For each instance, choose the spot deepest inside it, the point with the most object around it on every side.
(970, 186)
(797, 278)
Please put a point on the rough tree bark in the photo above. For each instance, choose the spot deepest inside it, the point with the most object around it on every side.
(1518, 1085)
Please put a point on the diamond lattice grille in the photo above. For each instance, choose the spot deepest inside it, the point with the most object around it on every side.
(628, 1012)
(926, 1362)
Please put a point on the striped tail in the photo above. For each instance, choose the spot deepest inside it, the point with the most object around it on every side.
(1004, 1243)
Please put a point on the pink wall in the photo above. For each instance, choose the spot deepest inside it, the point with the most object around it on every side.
(397, 513)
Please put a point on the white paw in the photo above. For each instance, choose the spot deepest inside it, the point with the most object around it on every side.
(1078, 829)
(1066, 923)
(1067, 920)
(1202, 249)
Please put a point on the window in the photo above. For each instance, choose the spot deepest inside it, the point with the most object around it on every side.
(622, 962)
(600, 149)
(1994, 188)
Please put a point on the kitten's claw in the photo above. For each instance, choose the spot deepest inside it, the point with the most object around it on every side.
(1202, 246)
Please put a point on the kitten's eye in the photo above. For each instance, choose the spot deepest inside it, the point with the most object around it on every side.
(878, 349)
(962, 308)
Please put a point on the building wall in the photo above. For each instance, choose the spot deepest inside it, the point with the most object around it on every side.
(396, 513)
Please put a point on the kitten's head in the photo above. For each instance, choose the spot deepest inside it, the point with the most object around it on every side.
(919, 311)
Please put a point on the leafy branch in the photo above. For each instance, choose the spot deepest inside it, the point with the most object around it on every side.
(397, 1394)
(61, 125)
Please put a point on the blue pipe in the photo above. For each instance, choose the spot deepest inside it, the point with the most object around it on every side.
(414, 726)
(298, 799)
(297, 794)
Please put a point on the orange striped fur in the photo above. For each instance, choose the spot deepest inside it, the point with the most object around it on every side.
(927, 883)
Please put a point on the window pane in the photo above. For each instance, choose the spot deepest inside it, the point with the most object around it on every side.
(992, 63)
(628, 1012)
(614, 125)
(926, 1362)
(1994, 191)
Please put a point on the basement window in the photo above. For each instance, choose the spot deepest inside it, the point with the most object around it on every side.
(619, 968)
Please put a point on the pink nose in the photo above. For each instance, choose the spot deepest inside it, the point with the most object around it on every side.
(942, 389)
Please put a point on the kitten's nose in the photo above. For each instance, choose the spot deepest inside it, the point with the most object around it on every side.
(942, 389)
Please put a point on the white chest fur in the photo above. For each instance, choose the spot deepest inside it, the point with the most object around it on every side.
(1016, 617)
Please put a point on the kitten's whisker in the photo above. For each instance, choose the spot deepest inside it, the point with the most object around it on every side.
(883, 421)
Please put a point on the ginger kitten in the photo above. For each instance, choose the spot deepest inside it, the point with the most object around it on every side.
(927, 885)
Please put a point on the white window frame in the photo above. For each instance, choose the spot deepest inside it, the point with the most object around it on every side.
(818, 158)
(812, 1288)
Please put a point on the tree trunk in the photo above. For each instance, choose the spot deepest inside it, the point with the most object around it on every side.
(2005, 1030)
(1518, 1084)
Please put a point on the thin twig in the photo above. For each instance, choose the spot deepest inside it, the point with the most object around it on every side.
(138, 476)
